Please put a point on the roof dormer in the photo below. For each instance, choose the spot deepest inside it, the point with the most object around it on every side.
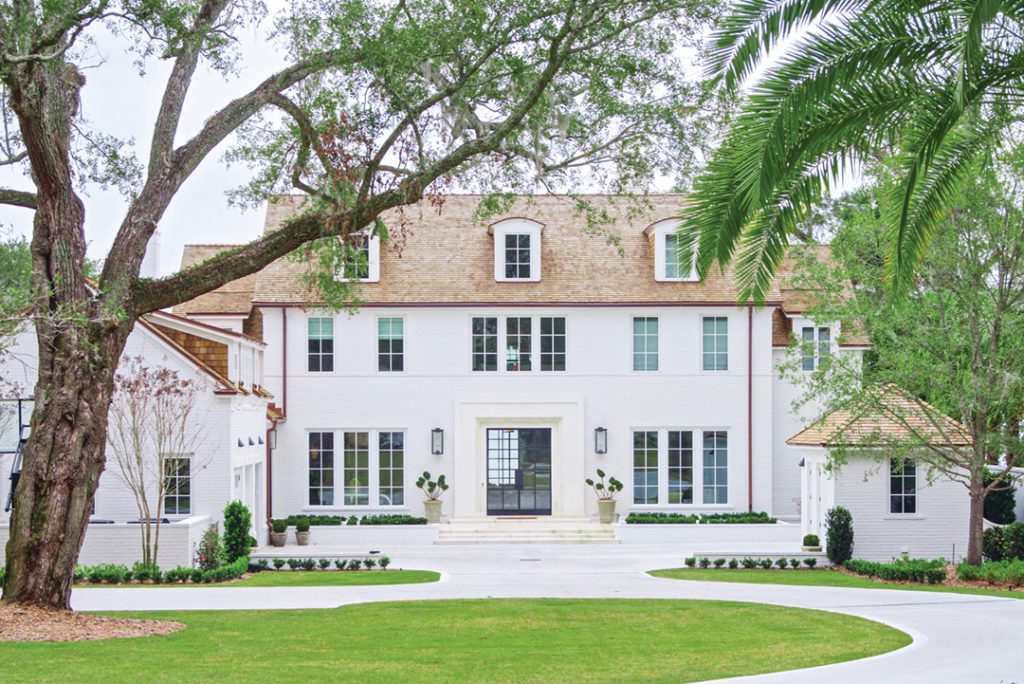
(665, 243)
(516, 250)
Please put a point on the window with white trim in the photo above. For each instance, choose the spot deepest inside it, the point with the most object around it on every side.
(680, 467)
(485, 343)
(518, 343)
(362, 260)
(645, 343)
(355, 482)
(391, 473)
(815, 346)
(320, 341)
(390, 344)
(902, 486)
(715, 343)
(716, 467)
(552, 343)
(645, 467)
(517, 250)
(321, 468)
(177, 485)
(668, 267)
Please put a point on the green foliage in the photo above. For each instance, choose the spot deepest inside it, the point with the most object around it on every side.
(107, 573)
(209, 554)
(237, 521)
(1013, 541)
(782, 563)
(811, 540)
(1000, 502)
(605, 491)
(315, 520)
(733, 563)
(810, 562)
(794, 563)
(369, 563)
(279, 526)
(384, 562)
(308, 564)
(302, 525)
(353, 520)
(839, 535)
(655, 518)
(15, 279)
(765, 563)
(1005, 572)
(294, 563)
(690, 561)
(354, 564)
(225, 572)
(323, 563)
(340, 563)
(992, 544)
(432, 489)
(142, 572)
(704, 562)
(263, 563)
(901, 570)
(749, 563)
(392, 519)
(178, 575)
(278, 563)
(719, 562)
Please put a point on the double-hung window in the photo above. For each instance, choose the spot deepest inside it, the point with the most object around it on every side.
(357, 263)
(517, 256)
(485, 344)
(321, 468)
(390, 344)
(517, 250)
(645, 343)
(320, 336)
(645, 467)
(177, 485)
(680, 467)
(902, 486)
(673, 266)
(716, 343)
(355, 482)
(552, 344)
(716, 467)
(391, 473)
(815, 346)
(518, 344)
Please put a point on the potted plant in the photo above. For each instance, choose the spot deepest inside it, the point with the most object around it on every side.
(278, 532)
(811, 543)
(302, 531)
(606, 492)
(432, 490)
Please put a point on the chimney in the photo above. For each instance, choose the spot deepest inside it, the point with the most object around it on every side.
(151, 262)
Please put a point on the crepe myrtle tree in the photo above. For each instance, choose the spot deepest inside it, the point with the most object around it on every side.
(953, 346)
(382, 103)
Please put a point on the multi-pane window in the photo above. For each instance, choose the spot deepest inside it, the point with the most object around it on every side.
(485, 344)
(177, 485)
(517, 255)
(673, 266)
(518, 341)
(355, 483)
(680, 467)
(357, 263)
(716, 343)
(321, 468)
(552, 344)
(320, 334)
(902, 486)
(391, 460)
(645, 467)
(645, 343)
(716, 467)
(815, 347)
(390, 344)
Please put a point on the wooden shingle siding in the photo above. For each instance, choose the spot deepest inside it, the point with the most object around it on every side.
(213, 354)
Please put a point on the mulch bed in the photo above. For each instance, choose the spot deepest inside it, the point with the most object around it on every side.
(29, 623)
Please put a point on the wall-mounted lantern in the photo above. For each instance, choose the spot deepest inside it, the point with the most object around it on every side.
(437, 441)
(240, 442)
(251, 443)
(600, 441)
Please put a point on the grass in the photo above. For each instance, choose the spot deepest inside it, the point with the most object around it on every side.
(303, 578)
(817, 578)
(503, 640)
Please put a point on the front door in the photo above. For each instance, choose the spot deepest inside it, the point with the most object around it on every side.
(519, 471)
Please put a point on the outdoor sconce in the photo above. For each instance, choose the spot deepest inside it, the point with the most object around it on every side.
(601, 441)
(240, 442)
(251, 443)
(437, 441)
(259, 439)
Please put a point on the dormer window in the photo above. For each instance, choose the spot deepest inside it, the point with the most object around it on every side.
(364, 262)
(665, 241)
(516, 250)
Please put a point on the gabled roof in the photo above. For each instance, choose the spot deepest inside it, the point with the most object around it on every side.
(234, 298)
(891, 417)
(222, 384)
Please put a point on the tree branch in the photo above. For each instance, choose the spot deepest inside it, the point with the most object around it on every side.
(18, 198)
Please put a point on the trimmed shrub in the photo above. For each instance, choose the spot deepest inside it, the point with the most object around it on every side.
(733, 564)
(1005, 573)
(1000, 503)
(782, 563)
(794, 563)
(226, 572)
(197, 576)
(294, 563)
(758, 518)
(107, 573)
(2, 574)
(340, 564)
(749, 563)
(690, 562)
(77, 576)
(278, 563)
(280, 526)
(237, 520)
(326, 520)
(302, 525)
(354, 564)
(765, 563)
(392, 519)
(146, 573)
(1013, 541)
(811, 540)
(308, 564)
(719, 562)
(693, 519)
(369, 563)
(704, 562)
(177, 575)
(902, 570)
(324, 563)
(839, 535)
(384, 562)
(353, 520)
(992, 544)
(209, 554)
(810, 562)
(263, 563)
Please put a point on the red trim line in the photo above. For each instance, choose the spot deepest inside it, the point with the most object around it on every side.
(750, 408)
(205, 326)
(518, 304)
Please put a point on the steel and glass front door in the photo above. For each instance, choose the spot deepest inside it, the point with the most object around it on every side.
(519, 471)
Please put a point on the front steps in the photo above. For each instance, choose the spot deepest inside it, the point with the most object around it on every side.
(525, 531)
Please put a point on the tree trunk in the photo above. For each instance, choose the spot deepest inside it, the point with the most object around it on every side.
(977, 520)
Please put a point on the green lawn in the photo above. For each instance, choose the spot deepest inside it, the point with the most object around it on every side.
(303, 578)
(815, 578)
(505, 640)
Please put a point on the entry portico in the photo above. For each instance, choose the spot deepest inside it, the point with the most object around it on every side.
(475, 416)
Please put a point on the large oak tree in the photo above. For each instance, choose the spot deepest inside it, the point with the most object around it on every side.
(383, 102)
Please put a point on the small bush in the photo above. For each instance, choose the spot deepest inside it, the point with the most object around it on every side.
(263, 563)
(839, 535)
(209, 554)
(693, 519)
(902, 570)
(719, 562)
(354, 564)
(279, 526)
(811, 540)
(77, 576)
(324, 563)
(757, 518)
(225, 572)
(782, 563)
(1013, 541)
(733, 563)
(353, 520)
(392, 519)
(340, 564)
(308, 564)
(237, 521)
(704, 562)
(749, 563)
(278, 563)
(690, 562)
(302, 524)
(326, 520)
(178, 575)
(107, 573)
(810, 562)
(146, 573)
(1002, 573)
(992, 544)
(384, 562)
(294, 563)
(197, 576)
(794, 563)
(765, 563)
(369, 563)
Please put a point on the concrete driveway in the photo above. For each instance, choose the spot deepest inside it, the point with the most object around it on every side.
(957, 638)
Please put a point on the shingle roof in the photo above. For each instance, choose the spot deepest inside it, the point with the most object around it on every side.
(891, 417)
(233, 298)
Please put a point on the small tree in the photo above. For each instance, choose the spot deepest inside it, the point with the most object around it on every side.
(839, 535)
(1000, 501)
(237, 521)
(152, 423)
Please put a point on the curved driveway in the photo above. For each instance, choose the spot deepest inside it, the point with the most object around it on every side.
(958, 638)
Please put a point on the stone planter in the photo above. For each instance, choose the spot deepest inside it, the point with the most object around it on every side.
(302, 538)
(606, 511)
(278, 538)
(811, 549)
(433, 511)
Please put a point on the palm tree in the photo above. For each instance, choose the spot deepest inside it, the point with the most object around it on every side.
(832, 83)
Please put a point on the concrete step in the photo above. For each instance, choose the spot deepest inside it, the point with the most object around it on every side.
(526, 531)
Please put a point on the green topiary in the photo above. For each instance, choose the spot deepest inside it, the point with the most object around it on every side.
(323, 563)
(811, 540)
(279, 526)
(810, 562)
(839, 535)
(992, 544)
(733, 563)
(782, 563)
(278, 563)
(794, 563)
(704, 562)
(690, 562)
(766, 563)
(237, 521)
(1013, 541)
(302, 524)
(719, 562)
